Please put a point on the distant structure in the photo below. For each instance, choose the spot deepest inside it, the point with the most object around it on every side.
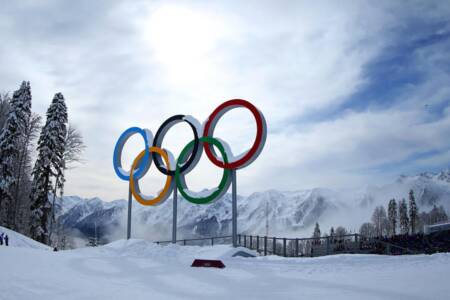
(428, 229)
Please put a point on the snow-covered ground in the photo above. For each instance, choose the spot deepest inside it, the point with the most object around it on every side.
(138, 269)
(19, 240)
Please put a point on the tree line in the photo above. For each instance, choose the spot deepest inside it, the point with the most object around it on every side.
(335, 234)
(402, 217)
(33, 162)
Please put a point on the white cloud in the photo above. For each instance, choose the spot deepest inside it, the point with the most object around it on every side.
(136, 64)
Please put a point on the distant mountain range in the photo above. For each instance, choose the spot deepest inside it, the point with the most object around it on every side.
(286, 213)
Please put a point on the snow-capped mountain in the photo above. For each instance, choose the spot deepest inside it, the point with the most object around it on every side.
(429, 189)
(281, 210)
(283, 213)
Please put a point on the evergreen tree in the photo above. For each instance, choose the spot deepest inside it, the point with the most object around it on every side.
(11, 138)
(22, 171)
(5, 99)
(392, 216)
(413, 213)
(403, 217)
(49, 163)
(316, 234)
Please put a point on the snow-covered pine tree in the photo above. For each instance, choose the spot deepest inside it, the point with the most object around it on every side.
(4, 109)
(392, 216)
(22, 171)
(413, 212)
(11, 137)
(49, 163)
(403, 217)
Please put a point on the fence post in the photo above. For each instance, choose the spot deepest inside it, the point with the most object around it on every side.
(284, 247)
(265, 245)
(274, 250)
(212, 241)
(257, 243)
(328, 245)
(251, 242)
(239, 238)
(296, 247)
(184, 242)
(245, 241)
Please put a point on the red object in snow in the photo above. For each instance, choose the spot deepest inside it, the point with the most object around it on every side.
(208, 263)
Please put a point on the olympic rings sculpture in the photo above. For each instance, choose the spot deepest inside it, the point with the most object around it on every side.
(176, 171)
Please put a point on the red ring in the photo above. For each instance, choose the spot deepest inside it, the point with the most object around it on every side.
(260, 123)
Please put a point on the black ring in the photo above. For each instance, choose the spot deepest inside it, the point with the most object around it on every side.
(157, 142)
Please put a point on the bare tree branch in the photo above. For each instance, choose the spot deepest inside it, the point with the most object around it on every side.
(74, 147)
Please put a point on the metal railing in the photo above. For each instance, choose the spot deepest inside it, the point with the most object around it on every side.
(301, 247)
(226, 239)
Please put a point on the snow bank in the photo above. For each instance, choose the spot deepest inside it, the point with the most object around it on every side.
(137, 269)
(19, 240)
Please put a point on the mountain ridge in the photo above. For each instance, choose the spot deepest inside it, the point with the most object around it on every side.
(288, 213)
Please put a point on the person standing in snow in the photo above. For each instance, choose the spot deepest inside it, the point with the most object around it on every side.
(6, 240)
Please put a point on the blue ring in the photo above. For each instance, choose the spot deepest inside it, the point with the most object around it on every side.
(144, 163)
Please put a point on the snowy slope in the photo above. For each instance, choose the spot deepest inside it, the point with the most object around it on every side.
(137, 269)
(19, 240)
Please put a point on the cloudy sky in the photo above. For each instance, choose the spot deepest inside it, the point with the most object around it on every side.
(354, 93)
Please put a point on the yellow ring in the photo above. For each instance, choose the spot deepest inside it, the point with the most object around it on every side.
(167, 187)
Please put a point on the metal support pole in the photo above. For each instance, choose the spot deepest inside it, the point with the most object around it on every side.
(274, 246)
(234, 207)
(265, 245)
(257, 243)
(296, 247)
(130, 199)
(284, 247)
(174, 216)
(251, 242)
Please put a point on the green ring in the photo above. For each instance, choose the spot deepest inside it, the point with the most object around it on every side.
(223, 181)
